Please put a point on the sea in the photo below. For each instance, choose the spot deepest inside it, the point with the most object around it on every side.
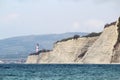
(59, 72)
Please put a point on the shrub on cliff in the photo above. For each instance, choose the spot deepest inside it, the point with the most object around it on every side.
(76, 36)
(107, 25)
(41, 51)
(70, 38)
(93, 34)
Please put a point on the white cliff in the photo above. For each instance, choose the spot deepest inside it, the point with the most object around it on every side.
(103, 49)
(32, 59)
(67, 52)
(64, 52)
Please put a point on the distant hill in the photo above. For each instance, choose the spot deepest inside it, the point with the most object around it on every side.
(21, 47)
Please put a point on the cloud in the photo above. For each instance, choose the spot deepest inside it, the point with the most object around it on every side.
(10, 17)
(107, 1)
(76, 25)
(94, 23)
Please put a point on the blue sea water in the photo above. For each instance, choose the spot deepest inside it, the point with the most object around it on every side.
(59, 72)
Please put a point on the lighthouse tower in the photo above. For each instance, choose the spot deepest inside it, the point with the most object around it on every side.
(37, 48)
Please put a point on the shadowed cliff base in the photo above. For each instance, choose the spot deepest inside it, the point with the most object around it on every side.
(116, 50)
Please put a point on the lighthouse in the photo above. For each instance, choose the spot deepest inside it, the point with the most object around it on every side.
(37, 48)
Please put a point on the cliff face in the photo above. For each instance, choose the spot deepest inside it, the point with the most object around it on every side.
(103, 49)
(64, 52)
(116, 50)
(32, 59)
(68, 51)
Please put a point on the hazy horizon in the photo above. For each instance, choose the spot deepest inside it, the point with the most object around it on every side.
(33, 17)
(39, 35)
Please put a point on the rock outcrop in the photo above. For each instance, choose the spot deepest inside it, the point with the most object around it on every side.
(68, 51)
(32, 59)
(103, 49)
(64, 52)
(116, 50)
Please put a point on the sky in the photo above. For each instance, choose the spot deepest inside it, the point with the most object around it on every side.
(37, 17)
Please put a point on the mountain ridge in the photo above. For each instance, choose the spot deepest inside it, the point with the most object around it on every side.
(21, 46)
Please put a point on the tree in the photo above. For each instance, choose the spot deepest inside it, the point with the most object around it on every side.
(76, 37)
